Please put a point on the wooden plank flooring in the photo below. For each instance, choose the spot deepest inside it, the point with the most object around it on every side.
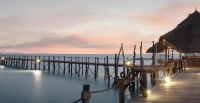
(183, 88)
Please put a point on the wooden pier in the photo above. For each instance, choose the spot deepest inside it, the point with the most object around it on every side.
(85, 66)
(183, 88)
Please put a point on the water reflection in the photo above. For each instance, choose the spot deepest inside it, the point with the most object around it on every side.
(2, 67)
(37, 75)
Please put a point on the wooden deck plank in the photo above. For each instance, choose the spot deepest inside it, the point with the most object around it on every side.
(183, 88)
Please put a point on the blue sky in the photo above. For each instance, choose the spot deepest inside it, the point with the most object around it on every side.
(87, 26)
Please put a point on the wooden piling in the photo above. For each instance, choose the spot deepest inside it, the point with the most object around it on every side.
(82, 66)
(121, 90)
(31, 63)
(44, 66)
(58, 65)
(49, 64)
(39, 61)
(69, 64)
(64, 65)
(116, 69)
(97, 66)
(86, 68)
(35, 63)
(54, 65)
(14, 61)
(26, 62)
(85, 94)
(143, 83)
(95, 69)
(71, 67)
(75, 66)
(79, 66)
(108, 72)
(105, 69)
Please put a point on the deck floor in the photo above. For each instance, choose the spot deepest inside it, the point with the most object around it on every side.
(183, 88)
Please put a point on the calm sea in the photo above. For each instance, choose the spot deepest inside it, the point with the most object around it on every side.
(34, 86)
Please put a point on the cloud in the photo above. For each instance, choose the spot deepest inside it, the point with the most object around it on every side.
(105, 42)
(170, 15)
(47, 21)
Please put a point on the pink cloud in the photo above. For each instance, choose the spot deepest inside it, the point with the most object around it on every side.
(153, 20)
(170, 15)
(79, 43)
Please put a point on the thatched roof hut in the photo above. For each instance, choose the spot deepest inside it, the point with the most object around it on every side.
(185, 38)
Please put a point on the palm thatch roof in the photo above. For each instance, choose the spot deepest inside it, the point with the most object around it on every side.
(185, 38)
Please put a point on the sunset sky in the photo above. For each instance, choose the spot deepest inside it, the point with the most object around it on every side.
(87, 26)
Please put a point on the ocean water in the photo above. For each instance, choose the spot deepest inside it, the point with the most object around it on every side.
(36, 86)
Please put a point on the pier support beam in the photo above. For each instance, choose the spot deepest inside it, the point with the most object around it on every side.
(143, 83)
(121, 90)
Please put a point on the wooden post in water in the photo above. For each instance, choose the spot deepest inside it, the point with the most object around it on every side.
(58, 64)
(121, 90)
(134, 75)
(64, 66)
(116, 69)
(105, 69)
(44, 66)
(108, 72)
(85, 94)
(26, 62)
(71, 66)
(54, 65)
(35, 63)
(14, 61)
(79, 66)
(39, 61)
(75, 65)
(18, 61)
(48, 63)
(86, 68)
(22, 62)
(156, 77)
(11, 61)
(8, 60)
(95, 69)
(88, 65)
(31, 63)
(97, 66)
(143, 83)
(82, 65)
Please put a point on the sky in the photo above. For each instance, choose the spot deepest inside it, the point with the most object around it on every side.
(87, 26)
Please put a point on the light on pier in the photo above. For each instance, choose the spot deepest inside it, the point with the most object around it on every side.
(2, 58)
(167, 79)
(148, 92)
(127, 62)
(38, 60)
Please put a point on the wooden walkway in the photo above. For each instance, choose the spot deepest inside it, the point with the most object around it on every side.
(183, 88)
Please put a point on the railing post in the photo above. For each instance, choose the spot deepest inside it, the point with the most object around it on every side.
(184, 61)
(121, 90)
(85, 94)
